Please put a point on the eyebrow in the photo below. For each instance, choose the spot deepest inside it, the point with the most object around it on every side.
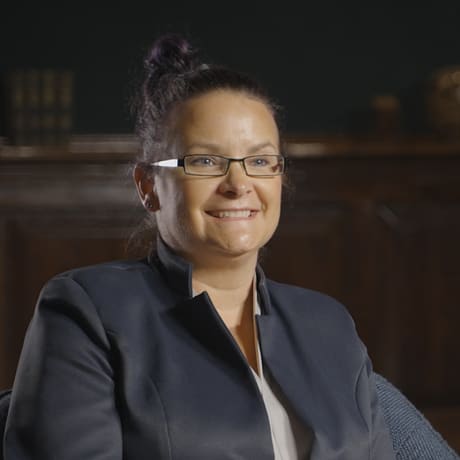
(214, 147)
(262, 145)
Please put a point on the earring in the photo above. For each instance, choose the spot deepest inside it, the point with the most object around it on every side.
(148, 204)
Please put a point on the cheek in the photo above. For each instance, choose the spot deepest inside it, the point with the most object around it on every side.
(187, 210)
(171, 202)
(272, 197)
(195, 194)
(174, 194)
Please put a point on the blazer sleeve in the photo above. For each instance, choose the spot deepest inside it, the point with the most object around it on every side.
(381, 444)
(63, 399)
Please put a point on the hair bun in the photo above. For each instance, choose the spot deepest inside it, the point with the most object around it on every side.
(170, 53)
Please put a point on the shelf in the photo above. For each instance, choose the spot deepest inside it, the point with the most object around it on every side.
(122, 148)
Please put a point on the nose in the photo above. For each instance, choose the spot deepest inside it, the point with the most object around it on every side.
(235, 183)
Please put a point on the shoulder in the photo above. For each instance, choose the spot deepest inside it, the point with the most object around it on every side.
(299, 300)
(100, 274)
(104, 282)
(117, 295)
(318, 316)
(111, 268)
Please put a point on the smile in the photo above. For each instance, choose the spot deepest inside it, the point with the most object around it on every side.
(232, 213)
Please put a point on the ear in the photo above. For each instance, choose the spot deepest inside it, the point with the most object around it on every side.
(146, 188)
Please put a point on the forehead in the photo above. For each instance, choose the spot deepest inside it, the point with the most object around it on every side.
(225, 117)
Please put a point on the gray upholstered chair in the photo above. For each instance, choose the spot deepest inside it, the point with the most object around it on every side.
(413, 436)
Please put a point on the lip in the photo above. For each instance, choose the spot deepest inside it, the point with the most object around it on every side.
(232, 213)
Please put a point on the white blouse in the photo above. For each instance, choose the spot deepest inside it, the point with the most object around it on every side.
(291, 439)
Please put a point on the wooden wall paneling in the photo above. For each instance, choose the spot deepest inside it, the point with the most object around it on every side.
(311, 248)
(48, 243)
(68, 186)
(384, 274)
(418, 296)
(4, 324)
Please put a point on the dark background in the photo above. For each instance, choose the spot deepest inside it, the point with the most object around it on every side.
(323, 61)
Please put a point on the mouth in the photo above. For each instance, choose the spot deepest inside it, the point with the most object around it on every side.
(233, 213)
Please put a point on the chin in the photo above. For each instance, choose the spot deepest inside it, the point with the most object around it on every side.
(239, 248)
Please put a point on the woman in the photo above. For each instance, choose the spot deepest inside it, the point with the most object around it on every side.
(192, 353)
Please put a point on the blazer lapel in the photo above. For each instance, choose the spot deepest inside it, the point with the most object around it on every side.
(321, 389)
(199, 317)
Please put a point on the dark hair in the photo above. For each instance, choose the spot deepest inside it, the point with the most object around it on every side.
(173, 73)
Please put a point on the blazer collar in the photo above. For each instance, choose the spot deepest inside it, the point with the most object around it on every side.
(178, 272)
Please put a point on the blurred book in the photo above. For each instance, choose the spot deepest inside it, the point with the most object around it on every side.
(15, 118)
(49, 110)
(32, 106)
(64, 104)
(39, 106)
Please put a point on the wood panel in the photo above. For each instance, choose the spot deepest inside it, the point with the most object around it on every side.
(418, 294)
(318, 251)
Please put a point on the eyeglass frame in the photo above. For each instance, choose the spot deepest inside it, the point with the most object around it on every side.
(180, 162)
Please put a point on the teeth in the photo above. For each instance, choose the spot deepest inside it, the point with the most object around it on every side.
(242, 213)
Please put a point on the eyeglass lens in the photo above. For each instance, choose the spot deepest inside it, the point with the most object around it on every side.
(257, 165)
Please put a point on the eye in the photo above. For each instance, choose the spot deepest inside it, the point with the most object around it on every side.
(258, 162)
(202, 160)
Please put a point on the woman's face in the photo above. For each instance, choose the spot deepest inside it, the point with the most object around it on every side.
(231, 215)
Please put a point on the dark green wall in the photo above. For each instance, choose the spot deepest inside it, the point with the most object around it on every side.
(323, 61)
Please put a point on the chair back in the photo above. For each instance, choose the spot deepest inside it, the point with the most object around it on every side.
(412, 434)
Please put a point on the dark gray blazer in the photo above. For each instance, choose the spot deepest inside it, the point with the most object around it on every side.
(120, 361)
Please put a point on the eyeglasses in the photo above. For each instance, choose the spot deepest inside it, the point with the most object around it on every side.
(216, 165)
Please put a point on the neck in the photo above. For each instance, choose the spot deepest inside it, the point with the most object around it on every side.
(228, 283)
(225, 276)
